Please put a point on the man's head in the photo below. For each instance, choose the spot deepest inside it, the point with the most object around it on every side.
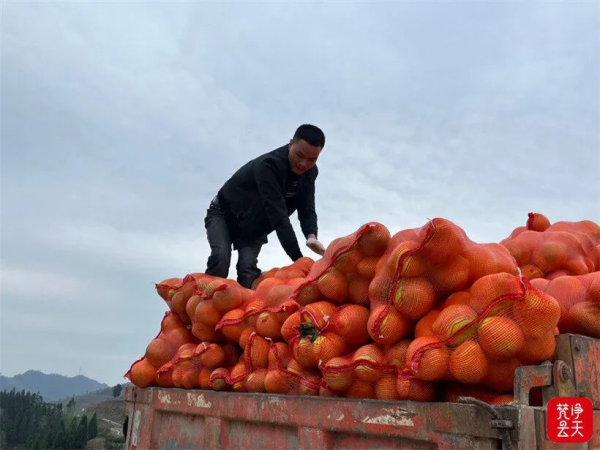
(305, 147)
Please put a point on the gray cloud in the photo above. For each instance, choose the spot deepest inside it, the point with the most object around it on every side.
(120, 121)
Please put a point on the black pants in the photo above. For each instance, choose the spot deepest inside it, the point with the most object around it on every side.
(219, 238)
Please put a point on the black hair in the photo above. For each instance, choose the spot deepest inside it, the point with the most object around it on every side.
(311, 134)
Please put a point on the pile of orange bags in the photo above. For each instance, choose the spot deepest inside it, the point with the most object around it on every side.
(426, 314)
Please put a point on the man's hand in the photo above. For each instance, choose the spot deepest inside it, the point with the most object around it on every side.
(315, 245)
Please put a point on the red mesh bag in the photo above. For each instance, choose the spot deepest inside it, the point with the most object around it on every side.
(480, 336)
(374, 372)
(323, 330)
(266, 367)
(213, 298)
(266, 311)
(162, 349)
(454, 391)
(565, 248)
(421, 268)
(166, 288)
(579, 300)
(299, 269)
(192, 365)
(347, 267)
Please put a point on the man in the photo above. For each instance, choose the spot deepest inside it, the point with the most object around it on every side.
(258, 199)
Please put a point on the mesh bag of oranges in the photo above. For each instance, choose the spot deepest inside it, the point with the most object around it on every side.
(299, 269)
(564, 248)
(481, 335)
(162, 349)
(266, 367)
(193, 364)
(267, 309)
(213, 298)
(323, 330)
(579, 300)
(421, 268)
(347, 267)
(374, 372)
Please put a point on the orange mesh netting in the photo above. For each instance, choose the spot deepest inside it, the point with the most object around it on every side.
(480, 336)
(420, 269)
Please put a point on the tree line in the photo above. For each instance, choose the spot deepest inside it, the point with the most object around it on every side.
(26, 420)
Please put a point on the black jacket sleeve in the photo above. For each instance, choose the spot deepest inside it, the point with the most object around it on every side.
(306, 208)
(274, 202)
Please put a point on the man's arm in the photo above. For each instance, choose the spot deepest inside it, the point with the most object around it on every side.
(308, 216)
(274, 202)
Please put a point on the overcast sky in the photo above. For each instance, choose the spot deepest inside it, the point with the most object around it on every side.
(120, 121)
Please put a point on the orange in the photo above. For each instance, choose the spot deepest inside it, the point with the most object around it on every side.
(415, 390)
(304, 353)
(204, 378)
(333, 285)
(165, 287)
(374, 355)
(451, 323)
(537, 350)
(468, 363)
(245, 336)
(414, 297)
(430, 364)
(532, 271)
(361, 389)
(178, 304)
(550, 256)
(537, 313)
(375, 241)
(213, 356)
(289, 329)
(366, 267)
(459, 298)
(452, 276)
(442, 241)
(489, 289)
(206, 313)
(280, 357)
(537, 222)
(424, 325)
(358, 290)
(396, 354)
(391, 329)
(350, 322)
(278, 294)
(228, 299)
(234, 330)
(385, 388)
(379, 289)
(576, 267)
(143, 374)
(190, 307)
(170, 322)
(337, 378)
(501, 375)
(308, 294)
(267, 325)
(206, 333)
(482, 261)
(586, 318)
(321, 312)
(518, 251)
(275, 382)
(255, 382)
(159, 352)
(500, 337)
(348, 261)
(329, 345)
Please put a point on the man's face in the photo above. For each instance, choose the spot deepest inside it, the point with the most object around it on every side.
(303, 156)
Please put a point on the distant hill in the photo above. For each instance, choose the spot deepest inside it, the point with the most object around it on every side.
(51, 387)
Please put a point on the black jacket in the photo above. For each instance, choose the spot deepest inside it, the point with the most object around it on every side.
(255, 205)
